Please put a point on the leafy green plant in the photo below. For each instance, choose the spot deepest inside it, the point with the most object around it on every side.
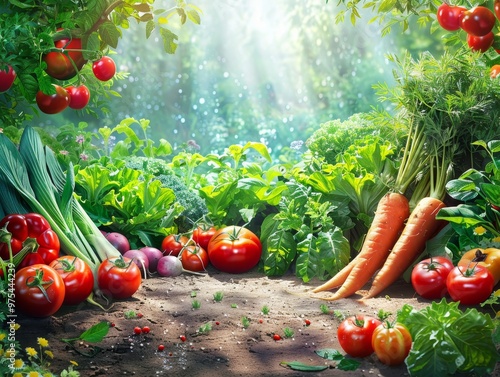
(195, 304)
(218, 296)
(288, 332)
(245, 322)
(265, 310)
(205, 328)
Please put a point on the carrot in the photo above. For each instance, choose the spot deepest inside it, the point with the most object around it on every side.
(388, 222)
(338, 279)
(421, 226)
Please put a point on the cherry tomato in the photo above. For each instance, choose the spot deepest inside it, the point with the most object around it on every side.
(355, 335)
(118, 277)
(202, 235)
(496, 8)
(79, 96)
(234, 249)
(30, 230)
(470, 285)
(391, 343)
(449, 16)
(39, 290)
(104, 69)
(7, 78)
(194, 258)
(428, 277)
(60, 63)
(480, 44)
(173, 244)
(494, 72)
(478, 21)
(53, 103)
(77, 277)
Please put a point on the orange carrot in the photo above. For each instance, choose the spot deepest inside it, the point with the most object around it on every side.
(339, 277)
(421, 226)
(388, 222)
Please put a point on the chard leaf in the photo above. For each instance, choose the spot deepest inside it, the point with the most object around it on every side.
(279, 252)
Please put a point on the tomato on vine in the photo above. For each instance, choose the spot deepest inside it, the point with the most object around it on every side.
(53, 103)
(79, 96)
(478, 21)
(495, 71)
(391, 343)
(104, 69)
(194, 258)
(65, 63)
(480, 44)
(471, 285)
(119, 277)
(77, 277)
(173, 244)
(39, 290)
(203, 233)
(449, 16)
(428, 277)
(7, 77)
(355, 335)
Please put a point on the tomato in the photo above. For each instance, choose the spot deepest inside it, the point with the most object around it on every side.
(194, 258)
(478, 21)
(79, 96)
(234, 249)
(496, 8)
(32, 231)
(77, 277)
(173, 244)
(104, 69)
(39, 290)
(202, 235)
(118, 277)
(480, 44)
(428, 277)
(53, 103)
(60, 63)
(7, 78)
(494, 72)
(449, 16)
(470, 285)
(355, 335)
(391, 343)
(489, 258)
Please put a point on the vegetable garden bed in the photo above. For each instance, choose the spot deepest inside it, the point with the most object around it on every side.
(165, 305)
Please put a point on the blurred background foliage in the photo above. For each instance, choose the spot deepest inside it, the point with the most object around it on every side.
(253, 71)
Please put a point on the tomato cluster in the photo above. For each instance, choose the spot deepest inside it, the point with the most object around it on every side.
(361, 335)
(478, 22)
(471, 282)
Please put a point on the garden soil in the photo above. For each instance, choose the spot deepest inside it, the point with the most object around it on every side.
(232, 347)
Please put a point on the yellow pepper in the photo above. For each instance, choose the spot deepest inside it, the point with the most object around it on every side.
(489, 258)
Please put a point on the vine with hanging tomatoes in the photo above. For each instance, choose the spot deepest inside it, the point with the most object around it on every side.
(54, 54)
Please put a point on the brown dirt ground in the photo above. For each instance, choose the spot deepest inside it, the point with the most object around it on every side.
(228, 349)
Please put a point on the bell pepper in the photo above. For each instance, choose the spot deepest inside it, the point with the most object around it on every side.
(490, 258)
(28, 231)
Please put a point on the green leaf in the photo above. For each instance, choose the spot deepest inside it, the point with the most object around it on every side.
(194, 16)
(467, 215)
(491, 192)
(109, 33)
(330, 354)
(297, 365)
(96, 333)
(150, 26)
(462, 189)
(279, 250)
(169, 38)
(348, 364)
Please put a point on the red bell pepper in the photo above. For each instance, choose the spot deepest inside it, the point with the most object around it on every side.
(30, 230)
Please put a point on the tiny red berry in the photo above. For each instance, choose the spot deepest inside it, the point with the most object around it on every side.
(276, 337)
(146, 330)
(182, 338)
(261, 321)
(112, 324)
(307, 322)
(137, 330)
(139, 315)
(161, 347)
(217, 323)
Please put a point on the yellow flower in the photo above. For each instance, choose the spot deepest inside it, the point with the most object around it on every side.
(33, 374)
(17, 326)
(74, 363)
(43, 342)
(479, 230)
(496, 293)
(17, 374)
(9, 353)
(18, 364)
(49, 354)
(2, 336)
(31, 351)
(48, 375)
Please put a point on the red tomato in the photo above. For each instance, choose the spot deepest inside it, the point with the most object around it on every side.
(449, 16)
(194, 258)
(202, 235)
(53, 103)
(391, 343)
(234, 249)
(39, 290)
(496, 7)
(355, 335)
(60, 64)
(494, 72)
(7, 78)
(104, 69)
(118, 277)
(480, 44)
(33, 231)
(77, 276)
(173, 244)
(428, 277)
(478, 21)
(79, 96)
(470, 285)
